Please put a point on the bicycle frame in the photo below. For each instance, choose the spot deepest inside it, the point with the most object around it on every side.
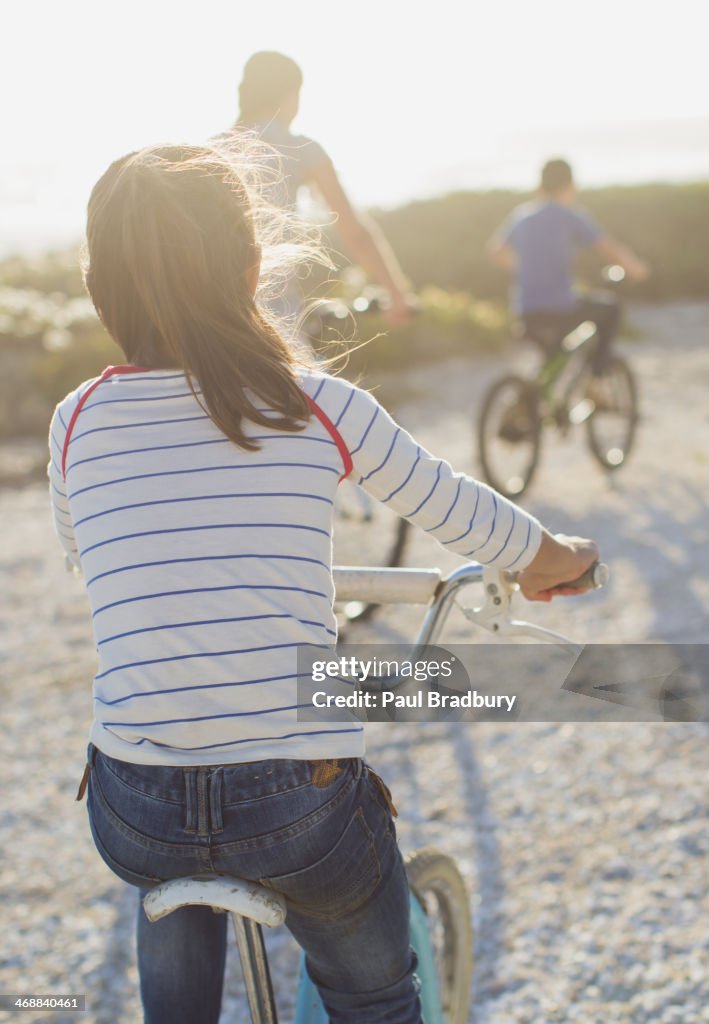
(439, 593)
(571, 361)
(578, 340)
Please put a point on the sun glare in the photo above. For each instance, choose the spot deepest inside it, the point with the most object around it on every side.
(406, 103)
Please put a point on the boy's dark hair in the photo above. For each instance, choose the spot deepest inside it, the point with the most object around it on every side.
(556, 175)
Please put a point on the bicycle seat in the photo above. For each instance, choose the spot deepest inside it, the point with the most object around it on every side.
(551, 332)
(223, 892)
(541, 329)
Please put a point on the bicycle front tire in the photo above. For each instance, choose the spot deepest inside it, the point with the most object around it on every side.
(439, 887)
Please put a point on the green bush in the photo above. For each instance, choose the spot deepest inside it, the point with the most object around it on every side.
(51, 340)
(46, 350)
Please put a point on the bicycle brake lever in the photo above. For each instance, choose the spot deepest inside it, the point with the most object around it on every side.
(518, 627)
(494, 614)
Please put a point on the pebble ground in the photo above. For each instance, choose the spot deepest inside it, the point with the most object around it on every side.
(584, 845)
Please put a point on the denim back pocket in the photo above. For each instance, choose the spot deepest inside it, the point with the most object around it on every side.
(138, 835)
(337, 883)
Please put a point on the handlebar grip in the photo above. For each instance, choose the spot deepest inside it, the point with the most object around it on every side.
(596, 576)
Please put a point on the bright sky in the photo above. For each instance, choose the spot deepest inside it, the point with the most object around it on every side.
(408, 98)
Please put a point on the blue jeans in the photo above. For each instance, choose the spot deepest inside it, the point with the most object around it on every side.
(320, 833)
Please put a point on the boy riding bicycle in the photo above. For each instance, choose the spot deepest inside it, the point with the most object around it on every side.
(537, 243)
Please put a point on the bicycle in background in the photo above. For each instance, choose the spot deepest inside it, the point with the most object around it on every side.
(563, 394)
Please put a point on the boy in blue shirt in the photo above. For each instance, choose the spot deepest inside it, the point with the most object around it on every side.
(537, 243)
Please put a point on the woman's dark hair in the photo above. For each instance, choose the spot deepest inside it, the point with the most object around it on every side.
(268, 77)
(171, 244)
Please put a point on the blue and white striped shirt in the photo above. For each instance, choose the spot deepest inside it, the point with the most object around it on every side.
(207, 566)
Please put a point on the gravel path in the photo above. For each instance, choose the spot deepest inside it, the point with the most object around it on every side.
(585, 846)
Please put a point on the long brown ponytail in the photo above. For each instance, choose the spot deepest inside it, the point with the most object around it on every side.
(171, 245)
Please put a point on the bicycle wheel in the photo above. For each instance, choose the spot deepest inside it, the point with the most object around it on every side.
(366, 533)
(440, 890)
(509, 435)
(610, 429)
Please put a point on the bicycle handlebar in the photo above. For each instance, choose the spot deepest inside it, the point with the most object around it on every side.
(429, 586)
(595, 577)
(418, 586)
(339, 310)
(386, 586)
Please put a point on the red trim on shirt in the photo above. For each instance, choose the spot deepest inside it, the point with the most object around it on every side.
(111, 371)
(334, 434)
(108, 372)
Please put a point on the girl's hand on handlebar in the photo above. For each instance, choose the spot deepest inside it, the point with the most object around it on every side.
(558, 560)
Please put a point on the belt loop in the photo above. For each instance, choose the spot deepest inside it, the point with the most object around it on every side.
(215, 800)
(90, 759)
(84, 782)
(202, 802)
(190, 776)
(324, 772)
(384, 791)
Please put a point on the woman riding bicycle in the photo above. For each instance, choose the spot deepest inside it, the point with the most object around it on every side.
(269, 98)
(193, 485)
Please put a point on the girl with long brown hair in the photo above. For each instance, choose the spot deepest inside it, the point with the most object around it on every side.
(193, 486)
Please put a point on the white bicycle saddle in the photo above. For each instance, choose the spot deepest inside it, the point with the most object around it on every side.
(221, 891)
